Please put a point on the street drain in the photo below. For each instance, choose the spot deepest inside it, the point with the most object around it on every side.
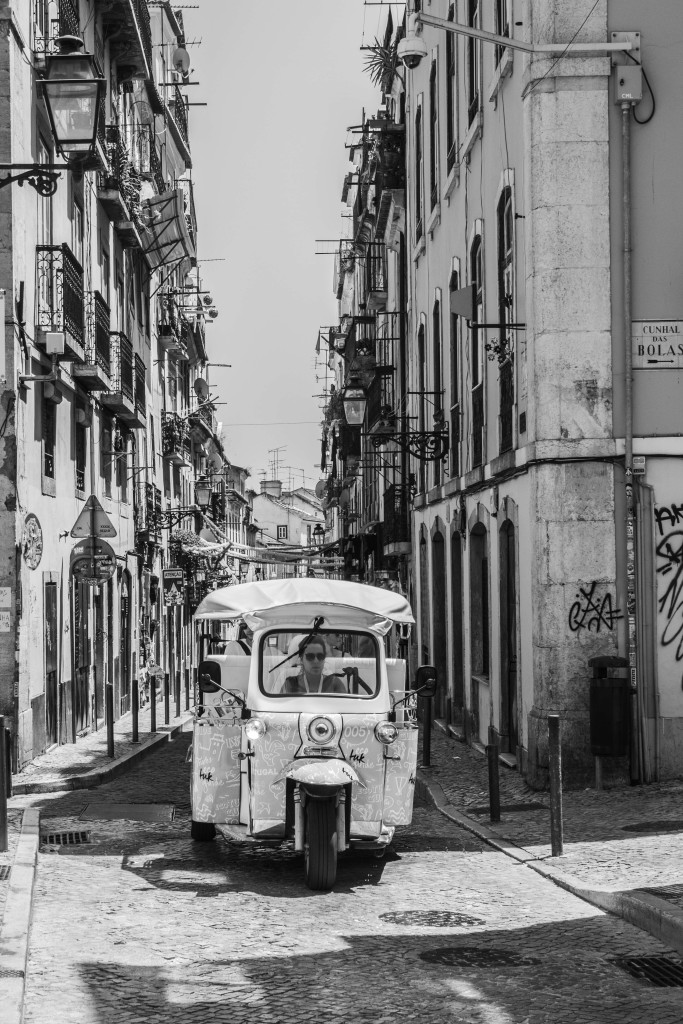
(132, 812)
(507, 808)
(4, 872)
(672, 893)
(430, 919)
(65, 838)
(473, 956)
(654, 826)
(657, 970)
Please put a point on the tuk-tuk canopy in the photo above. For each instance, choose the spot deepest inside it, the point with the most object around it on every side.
(299, 601)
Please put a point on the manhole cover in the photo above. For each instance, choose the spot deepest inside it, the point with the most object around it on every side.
(430, 919)
(134, 812)
(4, 872)
(656, 970)
(654, 826)
(507, 808)
(473, 956)
(65, 838)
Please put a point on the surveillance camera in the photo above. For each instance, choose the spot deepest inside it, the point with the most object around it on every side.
(411, 50)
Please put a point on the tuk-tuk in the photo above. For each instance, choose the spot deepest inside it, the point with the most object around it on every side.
(311, 737)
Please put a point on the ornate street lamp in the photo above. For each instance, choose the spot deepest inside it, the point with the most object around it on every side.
(319, 533)
(202, 492)
(72, 92)
(355, 401)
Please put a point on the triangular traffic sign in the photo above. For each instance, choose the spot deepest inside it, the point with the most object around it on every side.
(93, 521)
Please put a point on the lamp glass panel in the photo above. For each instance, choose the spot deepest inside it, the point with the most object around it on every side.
(354, 410)
(74, 112)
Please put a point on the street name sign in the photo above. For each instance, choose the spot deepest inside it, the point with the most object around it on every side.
(93, 561)
(657, 344)
(93, 521)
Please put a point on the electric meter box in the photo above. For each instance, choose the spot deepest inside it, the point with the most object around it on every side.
(628, 83)
(54, 343)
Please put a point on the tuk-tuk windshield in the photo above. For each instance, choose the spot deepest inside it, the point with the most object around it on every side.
(322, 664)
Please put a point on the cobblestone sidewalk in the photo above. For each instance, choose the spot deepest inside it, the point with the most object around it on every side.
(623, 847)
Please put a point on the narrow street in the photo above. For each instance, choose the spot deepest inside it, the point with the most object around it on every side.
(141, 924)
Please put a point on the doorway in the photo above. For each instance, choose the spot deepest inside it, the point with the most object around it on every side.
(509, 717)
(51, 666)
(125, 642)
(439, 626)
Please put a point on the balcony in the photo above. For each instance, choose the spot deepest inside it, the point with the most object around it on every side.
(148, 513)
(59, 298)
(171, 341)
(200, 423)
(118, 189)
(93, 373)
(127, 26)
(396, 532)
(179, 113)
(121, 396)
(69, 18)
(376, 275)
(140, 419)
(175, 440)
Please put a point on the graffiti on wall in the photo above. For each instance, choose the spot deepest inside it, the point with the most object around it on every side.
(670, 572)
(592, 612)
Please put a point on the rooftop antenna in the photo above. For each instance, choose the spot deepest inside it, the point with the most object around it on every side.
(274, 463)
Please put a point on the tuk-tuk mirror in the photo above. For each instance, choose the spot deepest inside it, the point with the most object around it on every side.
(209, 677)
(426, 681)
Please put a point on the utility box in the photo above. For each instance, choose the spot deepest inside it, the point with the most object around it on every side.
(610, 706)
(628, 83)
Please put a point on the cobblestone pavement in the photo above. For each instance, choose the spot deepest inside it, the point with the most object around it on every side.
(143, 925)
(628, 837)
(6, 858)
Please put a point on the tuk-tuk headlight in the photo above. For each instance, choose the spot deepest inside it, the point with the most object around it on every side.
(321, 729)
(254, 729)
(386, 732)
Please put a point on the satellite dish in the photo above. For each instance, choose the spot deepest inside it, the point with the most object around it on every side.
(320, 488)
(215, 462)
(344, 498)
(213, 313)
(208, 301)
(181, 60)
(201, 389)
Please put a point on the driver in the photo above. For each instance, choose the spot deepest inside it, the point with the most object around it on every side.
(310, 677)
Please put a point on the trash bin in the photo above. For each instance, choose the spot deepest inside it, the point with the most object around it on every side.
(610, 697)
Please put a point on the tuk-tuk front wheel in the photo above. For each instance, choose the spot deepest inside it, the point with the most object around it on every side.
(202, 831)
(320, 845)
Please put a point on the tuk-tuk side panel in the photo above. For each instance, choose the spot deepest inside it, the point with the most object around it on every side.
(272, 753)
(399, 787)
(216, 772)
(365, 754)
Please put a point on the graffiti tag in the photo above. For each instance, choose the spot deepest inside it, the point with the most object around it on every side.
(671, 514)
(670, 568)
(206, 776)
(591, 613)
(357, 758)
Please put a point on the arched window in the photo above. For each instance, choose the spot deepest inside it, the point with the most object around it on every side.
(473, 61)
(476, 352)
(433, 138)
(450, 94)
(455, 383)
(418, 174)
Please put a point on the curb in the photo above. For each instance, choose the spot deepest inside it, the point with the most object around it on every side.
(96, 776)
(647, 912)
(16, 923)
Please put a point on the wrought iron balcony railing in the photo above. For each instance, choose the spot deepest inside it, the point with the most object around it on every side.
(507, 399)
(97, 340)
(140, 396)
(69, 18)
(148, 511)
(180, 113)
(397, 506)
(175, 443)
(376, 270)
(59, 292)
(122, 365)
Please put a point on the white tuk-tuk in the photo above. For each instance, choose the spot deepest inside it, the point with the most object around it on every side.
(312, 737)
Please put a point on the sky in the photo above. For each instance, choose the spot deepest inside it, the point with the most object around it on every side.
(283, 80)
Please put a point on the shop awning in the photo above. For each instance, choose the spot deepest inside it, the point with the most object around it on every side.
(166, 237)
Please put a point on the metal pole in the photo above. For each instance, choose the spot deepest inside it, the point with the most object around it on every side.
(555, 767)
(194, 684)
(426, 733)
(135, 708)
(109, 700)
(153, 702)
(187, 689)
(167, 698)
(177, 693)
(494, 781)
(4, 844)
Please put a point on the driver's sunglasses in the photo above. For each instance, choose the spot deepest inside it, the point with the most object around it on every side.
(314, 657)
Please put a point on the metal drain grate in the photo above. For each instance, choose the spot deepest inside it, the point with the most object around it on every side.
(473, 956)
(4, 872)
(65, 838)
(656, 970)
(430, 919)
(507, 808)
(654, 826)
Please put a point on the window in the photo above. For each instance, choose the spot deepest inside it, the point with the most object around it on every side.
(106, 456)
(282, 532)
(41, 20)
(421, 412)
(44, 232)
(49, 438)
(450, 94)
(121, 462)
(153, 467)
(433, 138)
(77, 230)
(455, 383)
(81, 449)
(105, 265)
(333, 664)
(477, 368)
(473, 62)
(418, 175)
(437, 379)
(505, 352)
(502, 23)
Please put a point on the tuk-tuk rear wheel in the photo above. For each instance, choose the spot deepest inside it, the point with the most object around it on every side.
(202, 831)
(320, 847)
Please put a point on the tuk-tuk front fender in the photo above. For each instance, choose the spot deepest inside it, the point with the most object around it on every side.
(316, 771)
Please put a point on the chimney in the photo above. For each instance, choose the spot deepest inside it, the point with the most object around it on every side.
(272, 487)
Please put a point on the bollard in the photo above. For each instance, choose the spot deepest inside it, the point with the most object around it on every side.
(187, 689)
(494, 781)
(152, 702)
(109, 704)
(135, 709)
(426, 733)
(555, 768)
(167, 698)
(195, 696)
(4, 843)
(177, 693)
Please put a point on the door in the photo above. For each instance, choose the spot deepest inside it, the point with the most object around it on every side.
(508, 618)
(80, 711)
(125, 642)
(51, 666)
